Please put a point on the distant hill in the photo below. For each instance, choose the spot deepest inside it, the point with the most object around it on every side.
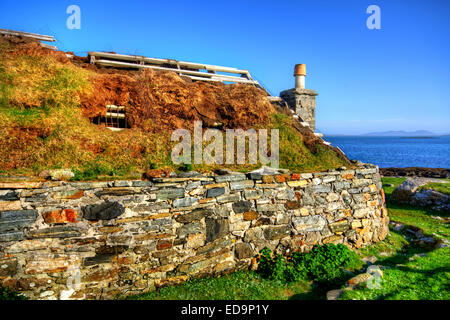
(418, 133)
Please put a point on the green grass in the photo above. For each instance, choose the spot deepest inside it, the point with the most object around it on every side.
(235, 286)
(408, 276)
(437, 186)
(417, 216)
(423, 278)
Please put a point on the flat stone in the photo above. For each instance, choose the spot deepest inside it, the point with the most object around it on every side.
(215, 192)
(339, 226)
(142, 184)
(250, 215)
(184, 202)
(286, 194)
(11, 236)
(215, 228)
(253, 194)
(8, 195)
(332, 239)
(60, 216)
(69, 194)
(17, 220)
(8, 267)
(254, 175)
(269, 207)
(20, 185)
(291, 205)
(194, 227)
(10, 205)
(321, 189)
(243, 251)
(360, 278)
(298, 183)
(277, 232)
(334, 294)
(166, 194)
(98, 259)
(230, 177)
(195, 215)
(55, 232)
(309, 223)
(242, 206)
(240, 185)
(103, 211)
(117, 191)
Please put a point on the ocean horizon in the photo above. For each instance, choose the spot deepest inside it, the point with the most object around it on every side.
(391, 151)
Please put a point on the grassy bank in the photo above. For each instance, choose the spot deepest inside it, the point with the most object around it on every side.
(47, 102)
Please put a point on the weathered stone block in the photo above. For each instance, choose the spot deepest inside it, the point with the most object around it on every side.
(166, 194)
(11, 236)
(230, 177)
(117, 192)
(216, 228)
(253, 194)
(60, 216)
(228, 198)
(332, 239)
(194, 227)
(240, 185)
(286, 194)
(321, 189)
(215, 192)
(195, 215)
(103, 211)
(17, 220)
(8, 267)
(299, 183)
(55, 232)
(250, 215)
(277, 232)
(339, 226)
(8, 195)
(309, 223)
(269, 207)
(242, 206)
(10, 205)
(195, 241)
(184, 202)
(243, 251)
(291, 205)
(253, 234)
(69, 194)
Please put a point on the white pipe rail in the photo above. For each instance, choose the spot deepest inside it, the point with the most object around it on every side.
(188, 69)
(28, 35)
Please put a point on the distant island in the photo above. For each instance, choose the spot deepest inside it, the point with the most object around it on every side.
(418, 133)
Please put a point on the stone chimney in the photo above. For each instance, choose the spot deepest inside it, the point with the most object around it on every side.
(301, 100)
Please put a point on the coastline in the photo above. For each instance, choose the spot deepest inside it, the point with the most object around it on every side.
(442, 173)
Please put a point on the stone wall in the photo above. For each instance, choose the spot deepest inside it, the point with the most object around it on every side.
(303, 102)
(94, 240)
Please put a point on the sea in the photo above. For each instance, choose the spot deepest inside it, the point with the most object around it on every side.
(399, 152)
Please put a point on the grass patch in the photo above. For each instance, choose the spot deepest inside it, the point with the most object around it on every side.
(423, 278)
(235, 286)
(441, 187)
(421, 217)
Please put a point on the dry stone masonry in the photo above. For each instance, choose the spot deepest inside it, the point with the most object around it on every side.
(95, 240)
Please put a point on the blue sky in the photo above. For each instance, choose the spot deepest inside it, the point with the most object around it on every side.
(396, 78)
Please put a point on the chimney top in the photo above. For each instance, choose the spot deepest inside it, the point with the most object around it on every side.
(300, 70)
